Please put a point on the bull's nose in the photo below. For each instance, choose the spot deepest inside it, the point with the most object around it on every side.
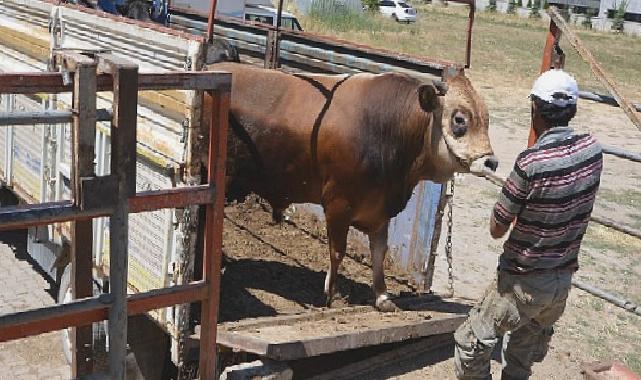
(491, 163)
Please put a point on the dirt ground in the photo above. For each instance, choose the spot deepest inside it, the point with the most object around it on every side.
(273, 269)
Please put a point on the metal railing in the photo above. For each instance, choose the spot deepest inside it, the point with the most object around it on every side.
(115, 196)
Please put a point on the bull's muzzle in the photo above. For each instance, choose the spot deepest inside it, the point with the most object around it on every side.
(491, 163)
(486, 163)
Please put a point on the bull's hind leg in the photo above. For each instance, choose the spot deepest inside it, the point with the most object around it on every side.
(337, 227)
(378, 249)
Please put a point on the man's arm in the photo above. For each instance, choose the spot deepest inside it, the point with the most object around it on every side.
(510, 203)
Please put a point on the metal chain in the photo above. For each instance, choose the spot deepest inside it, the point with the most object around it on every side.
(184, 275)
(448, 242)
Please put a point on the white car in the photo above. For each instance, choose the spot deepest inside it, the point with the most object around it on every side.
(398, 10)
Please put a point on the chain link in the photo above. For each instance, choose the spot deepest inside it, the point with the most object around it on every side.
(448, 242)
(183, 276)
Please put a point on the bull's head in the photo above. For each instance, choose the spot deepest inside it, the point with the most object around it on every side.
(461, 117)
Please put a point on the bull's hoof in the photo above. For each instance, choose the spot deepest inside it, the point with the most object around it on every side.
(384, 304)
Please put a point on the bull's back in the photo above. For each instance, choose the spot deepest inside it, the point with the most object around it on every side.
(274, 119)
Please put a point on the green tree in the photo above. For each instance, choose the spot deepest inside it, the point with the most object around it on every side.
(619, 15)
(371, 5)
(511, 7)
(587, 21)
(491, 7)
(519, 3)
(546, 5)
(529, 4)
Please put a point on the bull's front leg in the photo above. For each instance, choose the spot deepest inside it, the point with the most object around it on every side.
(378, 249)
(338, 220)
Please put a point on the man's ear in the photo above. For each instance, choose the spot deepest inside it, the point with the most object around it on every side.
(427, 97)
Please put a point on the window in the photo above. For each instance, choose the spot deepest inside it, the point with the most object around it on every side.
(287, 23)
(386, 3)
(403, 5)
(259, 18)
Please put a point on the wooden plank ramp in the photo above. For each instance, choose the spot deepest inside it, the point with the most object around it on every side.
(293, 337)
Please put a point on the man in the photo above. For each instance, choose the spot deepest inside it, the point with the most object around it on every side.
(550, 193)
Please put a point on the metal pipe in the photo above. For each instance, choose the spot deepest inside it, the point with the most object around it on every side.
(616, 226)
(210, 22)
(57, 317)
(499, 181)
(612, 298)
(46, 117)
(607, 99)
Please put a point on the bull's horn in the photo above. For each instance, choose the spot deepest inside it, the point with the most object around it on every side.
(441, 87)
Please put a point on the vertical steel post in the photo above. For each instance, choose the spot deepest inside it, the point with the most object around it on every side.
(123, 165)
(468, 44)
(210, 22)
(84, 132)
(212, 252)
(554, 33)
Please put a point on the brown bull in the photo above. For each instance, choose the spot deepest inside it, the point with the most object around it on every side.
(357, 145)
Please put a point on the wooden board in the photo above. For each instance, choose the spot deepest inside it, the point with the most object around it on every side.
(327, 331)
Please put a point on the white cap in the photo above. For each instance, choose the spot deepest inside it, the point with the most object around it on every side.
(556, 87)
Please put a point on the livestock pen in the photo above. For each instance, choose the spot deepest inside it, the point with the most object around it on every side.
(34, 33)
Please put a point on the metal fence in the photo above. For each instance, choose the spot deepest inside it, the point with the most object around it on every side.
(83, 74)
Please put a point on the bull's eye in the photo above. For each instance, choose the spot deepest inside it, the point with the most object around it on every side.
(459, 124)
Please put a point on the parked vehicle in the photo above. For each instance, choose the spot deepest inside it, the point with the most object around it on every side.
(161, 10)
(400, 11)
(250, 10)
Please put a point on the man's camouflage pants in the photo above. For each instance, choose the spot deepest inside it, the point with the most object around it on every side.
(521, 308)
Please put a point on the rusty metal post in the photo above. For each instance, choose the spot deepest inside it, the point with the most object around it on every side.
(210, 22)
(123, 166)
(552, 38)
(84, 137)
(212, 252)
(468, 44)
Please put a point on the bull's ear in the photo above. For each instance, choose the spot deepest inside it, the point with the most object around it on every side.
(427, 97)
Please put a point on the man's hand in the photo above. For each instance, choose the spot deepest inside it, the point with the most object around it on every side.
(497, 230)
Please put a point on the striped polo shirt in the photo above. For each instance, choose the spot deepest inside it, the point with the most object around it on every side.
(551, 194)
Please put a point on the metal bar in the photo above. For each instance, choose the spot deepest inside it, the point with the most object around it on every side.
(52, 318)
(212, 252)
(156, 299)
(84, 137)
(616, 226)
(470, 24)
(210, 22)
(607, 99)
(174, 198)
(553, 35)
(86, 311)
(499, 181)
(38, 83)
(46, 117)
(12, 218)
(123, 165)
(598, 71)
(26, 216)
(612, 298)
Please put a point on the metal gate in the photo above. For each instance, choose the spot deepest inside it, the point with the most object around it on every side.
(114, 196)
